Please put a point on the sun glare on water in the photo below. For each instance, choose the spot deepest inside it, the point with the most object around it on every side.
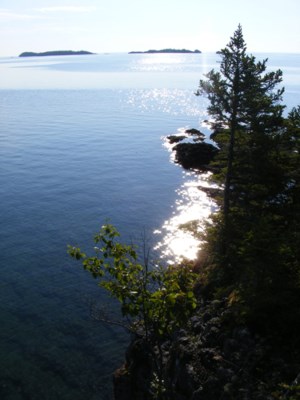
(162, 58)
(181, 233)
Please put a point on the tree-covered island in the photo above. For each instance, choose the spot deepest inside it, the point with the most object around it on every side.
(225, 327)
(55, 53)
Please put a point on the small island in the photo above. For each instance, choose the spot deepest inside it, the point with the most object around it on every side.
(170, 51)
(55, 53)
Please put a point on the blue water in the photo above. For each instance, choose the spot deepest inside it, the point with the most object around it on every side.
(81, 140)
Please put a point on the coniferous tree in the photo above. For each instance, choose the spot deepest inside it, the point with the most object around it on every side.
(246, 111)
(254, 245)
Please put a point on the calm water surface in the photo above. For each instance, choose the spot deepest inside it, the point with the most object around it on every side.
(82, 140)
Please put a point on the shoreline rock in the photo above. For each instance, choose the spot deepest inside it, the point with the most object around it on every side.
(209, 359)
(195, 155)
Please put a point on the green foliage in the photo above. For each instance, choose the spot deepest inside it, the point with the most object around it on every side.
(246, 112)
(253, 247)
(156, 301)
(287, 392)
(242, 94)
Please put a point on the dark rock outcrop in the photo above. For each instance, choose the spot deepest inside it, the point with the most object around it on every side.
(191, 151)
(209, 360)
(195, 155)
(196, 133)
(175, 138)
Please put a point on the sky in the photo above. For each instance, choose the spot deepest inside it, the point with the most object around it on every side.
(125, 25)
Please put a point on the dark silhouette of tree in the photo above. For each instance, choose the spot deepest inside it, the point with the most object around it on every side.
(254, 244)
(245, 110)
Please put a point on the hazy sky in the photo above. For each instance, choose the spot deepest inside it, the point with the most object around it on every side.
(124, 25)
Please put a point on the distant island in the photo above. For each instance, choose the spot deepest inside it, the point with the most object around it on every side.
(55, 53)
(166, 51)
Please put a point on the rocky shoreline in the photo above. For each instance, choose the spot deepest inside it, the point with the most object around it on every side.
(191, 151)
(215, 356)
(209, 360)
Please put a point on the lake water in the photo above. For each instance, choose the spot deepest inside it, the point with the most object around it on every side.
(82, 140)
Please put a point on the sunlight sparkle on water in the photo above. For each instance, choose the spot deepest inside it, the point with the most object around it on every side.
(171, 101)
(191, 210)
(159, 62)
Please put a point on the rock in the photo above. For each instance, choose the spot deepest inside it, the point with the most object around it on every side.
(211, 191)
(197, 324)
(175, 138)
(195, 155)
(207, 360)
(194, 131)
(133, 380)
(122, 385)
(198, 136)
(186, 380)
